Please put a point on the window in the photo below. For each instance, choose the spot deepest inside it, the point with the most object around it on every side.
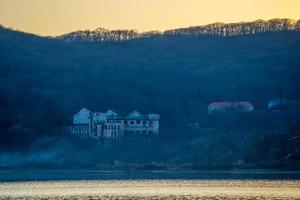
(138, 121)
(131, 122)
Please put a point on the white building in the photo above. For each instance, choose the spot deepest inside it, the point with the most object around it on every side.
(136, 123)
(111, 125)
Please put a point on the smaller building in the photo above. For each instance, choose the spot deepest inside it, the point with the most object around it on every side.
(136, 124)
(219, 107)
(225, 106)
(280, 105)
(243, 106)
(277, 104)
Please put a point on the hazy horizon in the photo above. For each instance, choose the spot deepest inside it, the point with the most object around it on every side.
(51, 18)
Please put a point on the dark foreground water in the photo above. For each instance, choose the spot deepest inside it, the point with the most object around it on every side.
(8, 176)
(148, 185)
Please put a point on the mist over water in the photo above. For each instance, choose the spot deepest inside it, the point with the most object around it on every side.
(51, 151)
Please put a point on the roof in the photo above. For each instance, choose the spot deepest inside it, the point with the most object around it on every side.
(83, 110)
(230, 104)
(276, 102)
(242, 103)
(221, 104)
(135, 114)
(111, 113)
(243, 106)
(153, 116)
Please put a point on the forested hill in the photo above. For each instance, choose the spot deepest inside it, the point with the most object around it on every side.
(219, 29)
(43, 81)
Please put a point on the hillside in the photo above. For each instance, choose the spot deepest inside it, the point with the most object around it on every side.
(43, 81)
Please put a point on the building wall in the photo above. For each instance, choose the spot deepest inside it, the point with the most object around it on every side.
(212, 109)
(113, 130)
(99, 117)
(141, 127)
(78, 130)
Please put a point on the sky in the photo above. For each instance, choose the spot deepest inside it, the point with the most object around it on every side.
(55, 17)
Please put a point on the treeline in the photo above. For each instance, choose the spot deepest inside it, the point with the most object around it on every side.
(215, 29)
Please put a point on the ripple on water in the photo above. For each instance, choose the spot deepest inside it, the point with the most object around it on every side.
(152, 189)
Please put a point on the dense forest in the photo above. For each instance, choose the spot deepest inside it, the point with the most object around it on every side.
(44, 81)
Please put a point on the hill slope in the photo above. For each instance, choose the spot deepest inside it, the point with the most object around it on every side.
(43, 81)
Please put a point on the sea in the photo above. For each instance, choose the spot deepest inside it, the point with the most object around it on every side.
(114, 185)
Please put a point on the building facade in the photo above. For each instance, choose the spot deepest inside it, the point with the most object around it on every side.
(111, 125)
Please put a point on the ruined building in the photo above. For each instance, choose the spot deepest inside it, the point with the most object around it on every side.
(110, 125)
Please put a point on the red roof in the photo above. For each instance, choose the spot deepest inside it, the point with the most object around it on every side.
(230, 104)
(242, 103)
(221, 104)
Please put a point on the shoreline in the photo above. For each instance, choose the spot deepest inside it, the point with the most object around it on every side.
(257, 171)
(100, 175)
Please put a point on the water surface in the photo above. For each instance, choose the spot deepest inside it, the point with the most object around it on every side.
(7, 176)
(149, 185)
(152, 189)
